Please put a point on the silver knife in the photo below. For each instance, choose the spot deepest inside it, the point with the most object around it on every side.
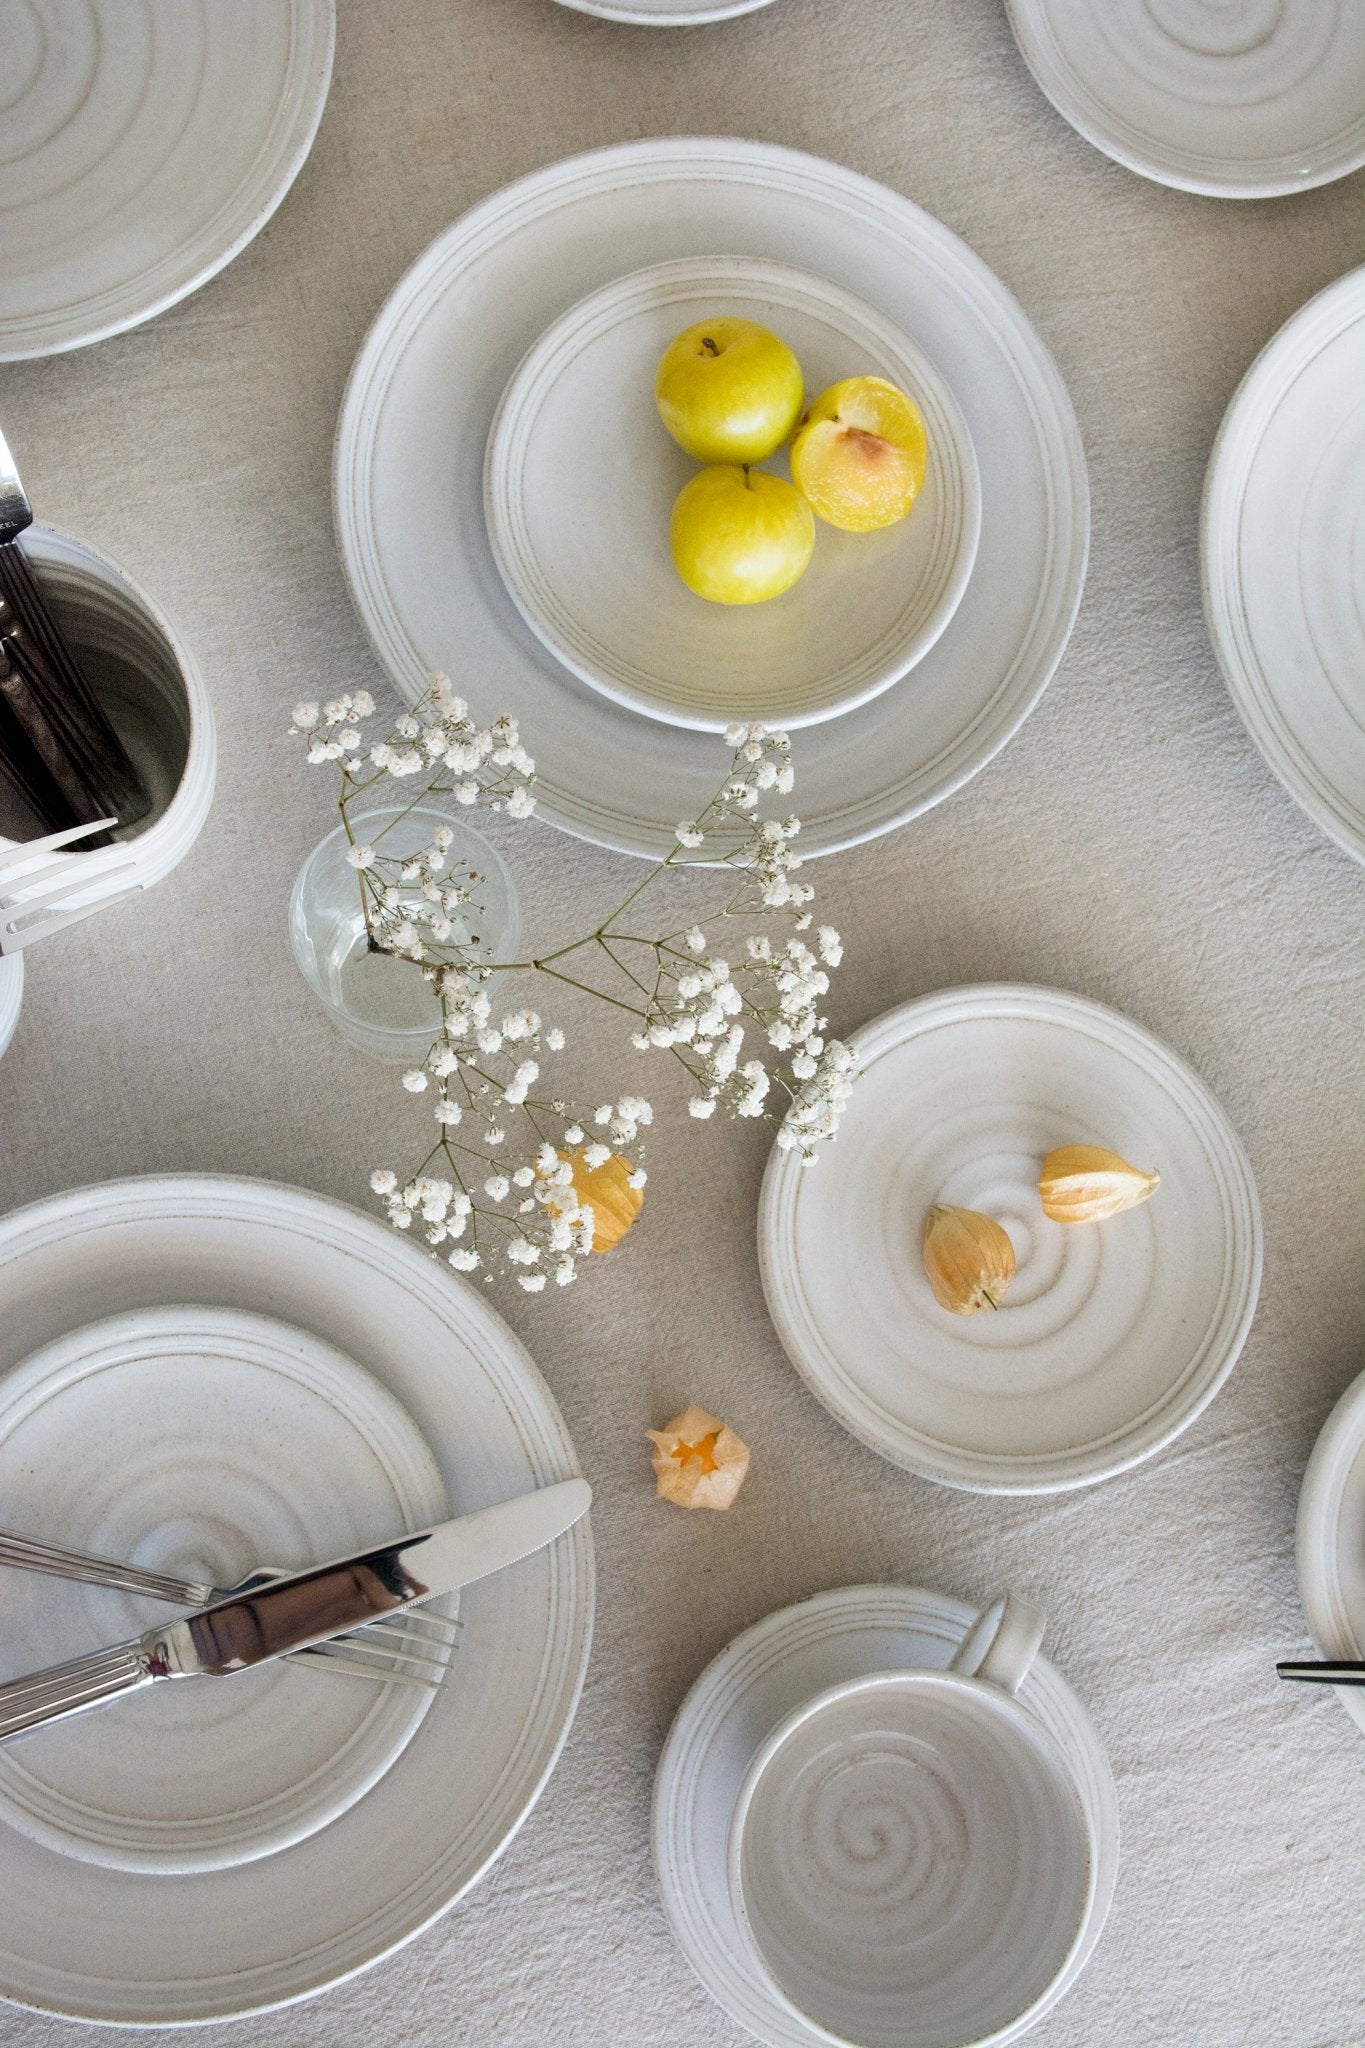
(252, 1627)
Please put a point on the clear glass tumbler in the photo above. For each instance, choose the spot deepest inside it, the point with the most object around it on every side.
(379, 1002)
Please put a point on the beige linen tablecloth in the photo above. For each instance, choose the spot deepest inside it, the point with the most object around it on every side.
(1129, 844)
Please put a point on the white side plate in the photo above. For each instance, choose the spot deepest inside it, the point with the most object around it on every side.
(1241, 101)
(1331, 1556)
(581, 477)
(130, 1947)
(415, 421)
(666, 13)
(1283, 549)
(1112, 1337)
(744, 1693)
(144, 145)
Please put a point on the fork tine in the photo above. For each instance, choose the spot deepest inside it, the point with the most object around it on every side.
(14, 858)
(324, 1657)
(382, 1658)
(33, 892)
(18, 940)
(428, 1627)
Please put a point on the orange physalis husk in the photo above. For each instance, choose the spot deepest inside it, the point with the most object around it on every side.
(606, 1190)
(700, 1463)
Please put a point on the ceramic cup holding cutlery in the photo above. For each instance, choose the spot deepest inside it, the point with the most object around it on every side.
(911, 1861)
(152, 690)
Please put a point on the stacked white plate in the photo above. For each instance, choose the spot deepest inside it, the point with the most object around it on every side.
(1331, 1559)
(1283, 548)
(11, 996)
(202, 1375)
(919, 660)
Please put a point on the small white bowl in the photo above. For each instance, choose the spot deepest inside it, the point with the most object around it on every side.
(911, 1862)
(580, 478)
(151, 687)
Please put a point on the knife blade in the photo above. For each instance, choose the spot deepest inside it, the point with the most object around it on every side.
(256, 1626)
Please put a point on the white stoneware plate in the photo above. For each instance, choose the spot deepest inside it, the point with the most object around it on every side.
(1331, 1540)
(11, 996)
(131, 1947)
(1283, 548)
(142, 146)
(1241, 101)
(415, 421)
(1112, 1337)
(581, 476)
(762, 1676)
(254, 1444)
(666, 13)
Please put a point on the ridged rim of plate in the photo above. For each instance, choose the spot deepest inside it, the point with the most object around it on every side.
(1319, 1537)
(235, 220)
(674, 16)
(470, 1323)
(939, 1621)
(11, 996)
(834, 1384)
(1059, 492)
(1278, 367)
(953, 460)
(1213, 177)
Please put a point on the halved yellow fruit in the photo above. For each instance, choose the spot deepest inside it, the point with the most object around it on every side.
(860, 454)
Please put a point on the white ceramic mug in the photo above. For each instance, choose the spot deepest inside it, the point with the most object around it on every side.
(911, 1862)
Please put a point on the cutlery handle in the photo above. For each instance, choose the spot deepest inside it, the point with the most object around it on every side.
(33, 1554)
(70, 1688)
(1325, 1674)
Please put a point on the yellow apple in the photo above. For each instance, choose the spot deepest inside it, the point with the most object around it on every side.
(739, 536)
(728, 391)
(861, 454)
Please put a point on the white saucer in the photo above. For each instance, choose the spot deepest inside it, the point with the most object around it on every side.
(11, 996)
(144, 145)
(741, 1697)
(415, 420)
(1240, 101)
(580, 479)
(1283, 546)
(1113, 1337)
(1331, 1540)
(134, 1948)
(202, 1443)
(666, 13)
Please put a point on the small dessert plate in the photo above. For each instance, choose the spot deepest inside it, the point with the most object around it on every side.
(1241, 102)
(1283, 547)
(1113, 1336)
(743, 1696)
(581, 475)
(256, 1445)
(1331, 1560)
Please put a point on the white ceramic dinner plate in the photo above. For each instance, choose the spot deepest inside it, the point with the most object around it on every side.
(1112, 1337)
(1241, 100)
(141, 147)
(1331, 1540)
(415, 423)
(11, 996)
(130, 1946)
(1283, 548)
(767, 1672)
(581, 476)
(255, 1444)
(666, 13)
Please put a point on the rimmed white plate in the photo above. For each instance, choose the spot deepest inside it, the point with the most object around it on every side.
(666, 13)
(141, 147)
(1283, 550)
(1112, 1338)
(761, 1677)
(11, 996)
(415, 421)
(255, 1444)
(1241, 101)
(128, 1947)
(1331, 1539)
(580, 479)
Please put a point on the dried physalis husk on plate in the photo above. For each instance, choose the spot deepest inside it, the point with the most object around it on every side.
(968, 1259)
(700, 1463)
(1085, 1184)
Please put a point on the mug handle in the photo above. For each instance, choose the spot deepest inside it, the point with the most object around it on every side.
(1001, 1643)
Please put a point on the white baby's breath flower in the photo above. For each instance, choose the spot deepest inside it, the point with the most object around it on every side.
(414, 1080)
(687, 834)
(448, 1112)
(361, 856)
(596, 1155)
(305, 716)
(463, 1259)
(701, 1106)
(554, 1038)
(496, 1187)
(383, 1180)
(532, 1282)
(573, 1134)
(520, 804)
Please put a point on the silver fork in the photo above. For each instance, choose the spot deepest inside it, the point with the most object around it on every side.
(422, 1641)
(15, 511)
(33, 888)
